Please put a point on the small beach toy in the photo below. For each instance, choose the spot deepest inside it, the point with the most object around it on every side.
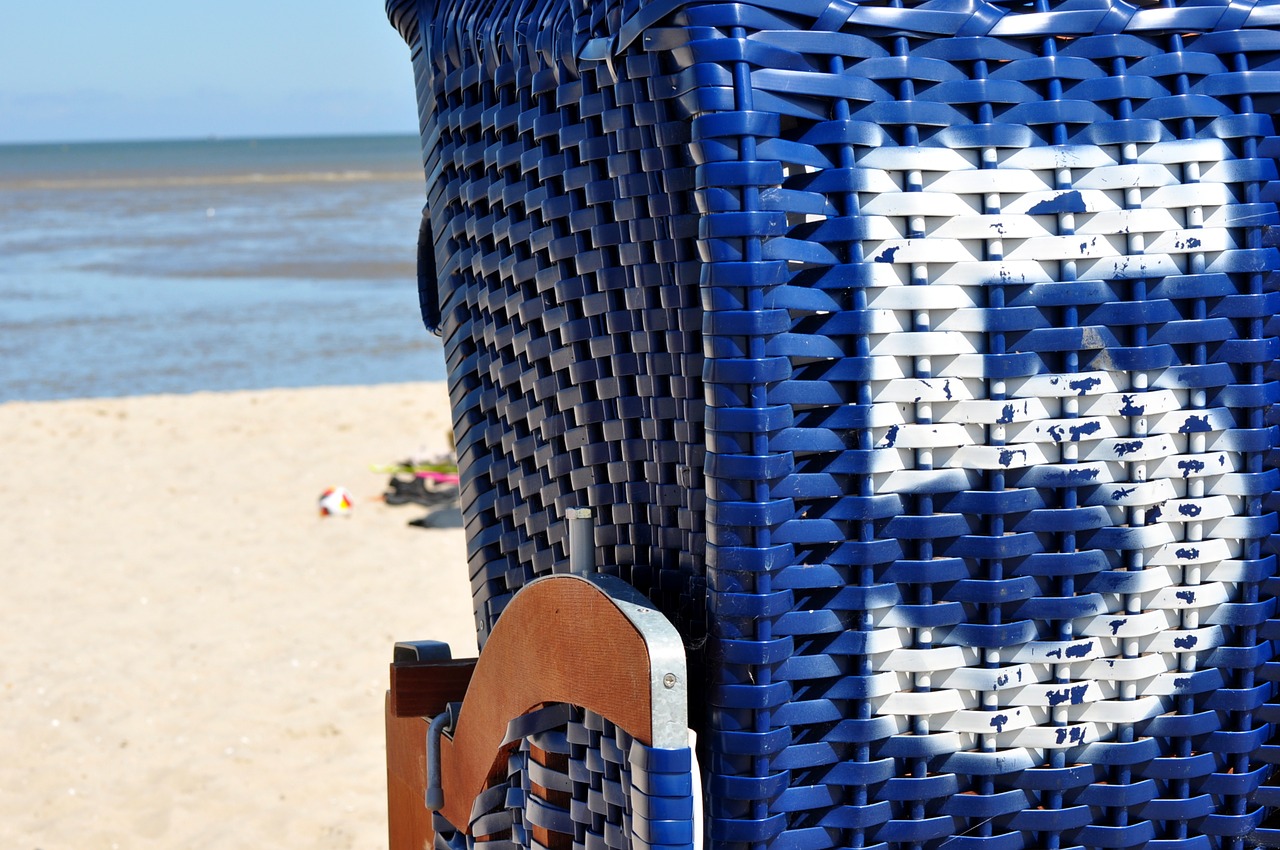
(335, 501)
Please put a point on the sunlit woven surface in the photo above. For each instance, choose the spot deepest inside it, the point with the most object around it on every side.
(578, 781)
(978, 299)
(569, 293)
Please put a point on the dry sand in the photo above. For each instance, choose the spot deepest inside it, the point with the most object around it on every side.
(192, 657)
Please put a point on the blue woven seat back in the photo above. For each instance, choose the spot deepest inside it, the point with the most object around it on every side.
(979, 300)
(988, 351)
(567, 271)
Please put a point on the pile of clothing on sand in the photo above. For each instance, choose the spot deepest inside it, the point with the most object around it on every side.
(430, 482)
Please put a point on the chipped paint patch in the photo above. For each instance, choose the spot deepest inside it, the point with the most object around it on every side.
(1072, 735)
(1130, 408)
(1083, 385)
(1080, 650)
(1195, 424)
(1008, 456)
(1064, 202)
(1127, 447)
(1189, 467)
(1071, 696)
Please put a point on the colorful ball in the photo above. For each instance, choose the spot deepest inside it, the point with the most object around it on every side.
(335, 501)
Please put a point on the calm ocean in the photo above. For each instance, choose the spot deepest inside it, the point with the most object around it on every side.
(161, 267)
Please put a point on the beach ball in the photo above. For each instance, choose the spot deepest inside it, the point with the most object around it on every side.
(335, 501)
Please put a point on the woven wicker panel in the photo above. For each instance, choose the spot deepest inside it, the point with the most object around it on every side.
(567, 275)
(577, 781)
(986, 305)
(986, 356)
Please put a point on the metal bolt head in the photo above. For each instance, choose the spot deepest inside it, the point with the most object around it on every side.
(669, 680)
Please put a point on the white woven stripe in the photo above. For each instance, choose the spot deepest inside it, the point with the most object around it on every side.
(1158, 464)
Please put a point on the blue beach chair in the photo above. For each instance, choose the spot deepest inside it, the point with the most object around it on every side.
(914, 364)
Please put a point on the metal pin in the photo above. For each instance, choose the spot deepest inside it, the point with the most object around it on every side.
(582, 541)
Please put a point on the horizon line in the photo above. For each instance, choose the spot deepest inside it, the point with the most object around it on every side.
(211, 137)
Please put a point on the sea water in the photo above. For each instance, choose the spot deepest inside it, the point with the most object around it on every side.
(172, 267)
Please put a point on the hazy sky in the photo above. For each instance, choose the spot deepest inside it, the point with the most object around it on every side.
(80, 70)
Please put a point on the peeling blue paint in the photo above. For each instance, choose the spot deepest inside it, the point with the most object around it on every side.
(1190, 510)
(1195, 423)
(1187, 553)
(1072, 696)
(887, 255)
(1190, 466)
(1064, 202)
(1122, 492)
(1083, 385)
(1187, 596)
(1007, 456)
(1073, 735)
(1127, 447)
(1006, 415)
(999, 721)
(891, 436)
(1115, 626)
(1131, 409)
(1187, 642)
(1080, 650)
(1085, 429)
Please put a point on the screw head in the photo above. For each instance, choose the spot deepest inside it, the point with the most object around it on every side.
(669, 680)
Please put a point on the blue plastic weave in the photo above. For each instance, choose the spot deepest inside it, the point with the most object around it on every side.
(569, 294)
(589, 785)
(980, 299)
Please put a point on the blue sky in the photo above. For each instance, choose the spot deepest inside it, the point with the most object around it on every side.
(84, 70)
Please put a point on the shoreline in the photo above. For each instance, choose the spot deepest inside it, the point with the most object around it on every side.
(429, 388)
(195, 657)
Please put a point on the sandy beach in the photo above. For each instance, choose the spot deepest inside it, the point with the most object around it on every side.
(193, 658)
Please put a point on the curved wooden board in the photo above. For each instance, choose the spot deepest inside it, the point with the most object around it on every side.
(561, 639)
